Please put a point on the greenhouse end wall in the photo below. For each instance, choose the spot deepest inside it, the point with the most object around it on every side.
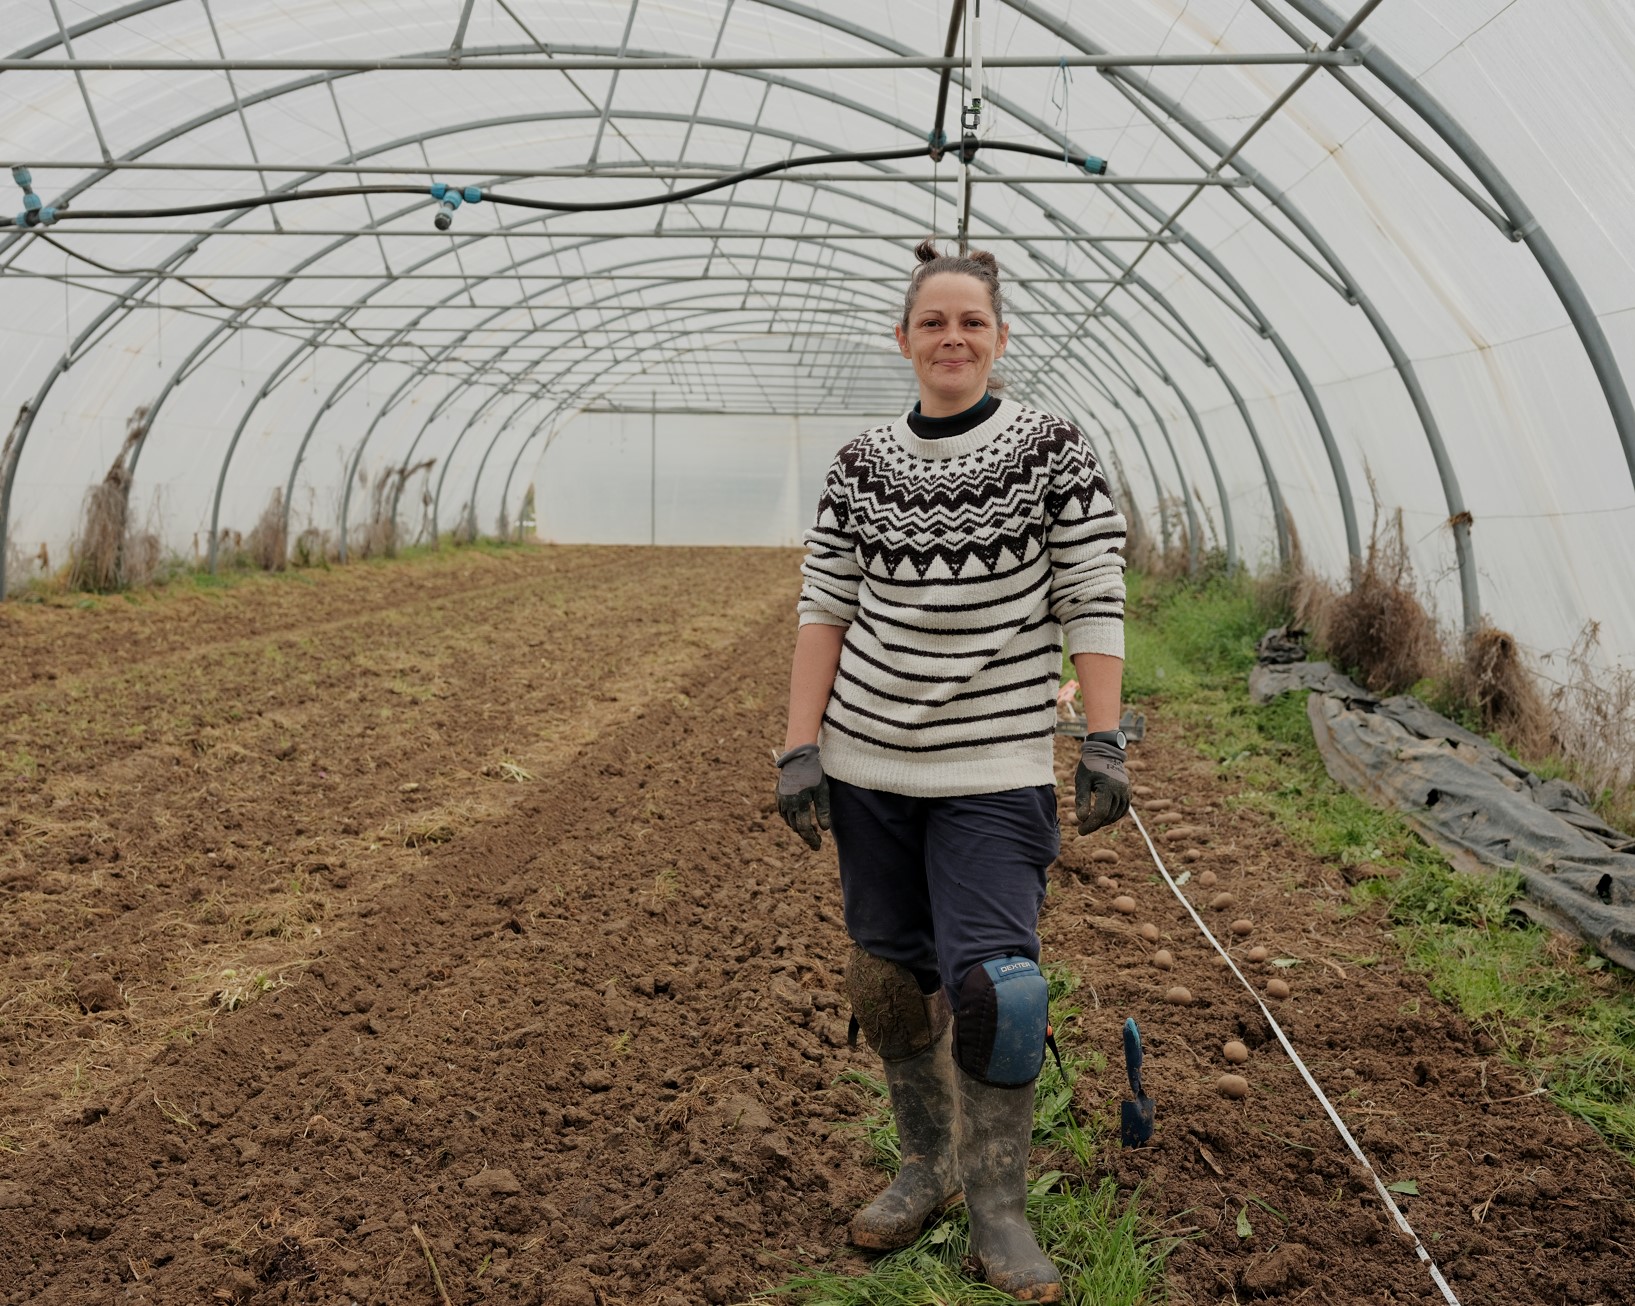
(686, 478)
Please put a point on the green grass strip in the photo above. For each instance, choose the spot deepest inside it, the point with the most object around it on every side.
(1559, 1012)
(1102, 1245)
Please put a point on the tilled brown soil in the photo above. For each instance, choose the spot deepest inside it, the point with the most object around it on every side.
(433, 916)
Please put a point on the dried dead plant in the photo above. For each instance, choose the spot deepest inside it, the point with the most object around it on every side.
(1307, 597)
(109, 553)
(314, 548)
(1379, 631)
(380, 530)
(266, 546)
(379, 536)
(1493, 682)
(1167, 556)
(465, 525)
(1592, 711)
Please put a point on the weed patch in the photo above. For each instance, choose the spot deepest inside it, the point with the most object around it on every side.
(1104, 1248)
(1559, 1013)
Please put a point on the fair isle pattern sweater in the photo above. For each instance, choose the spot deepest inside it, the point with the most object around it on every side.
(956, 565)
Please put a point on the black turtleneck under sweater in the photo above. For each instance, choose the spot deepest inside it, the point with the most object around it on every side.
(940, 428)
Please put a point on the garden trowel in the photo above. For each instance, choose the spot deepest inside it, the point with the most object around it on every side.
(1135, 1118)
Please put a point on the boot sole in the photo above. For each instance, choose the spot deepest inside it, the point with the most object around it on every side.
(1041, 1292)
(879, 1242)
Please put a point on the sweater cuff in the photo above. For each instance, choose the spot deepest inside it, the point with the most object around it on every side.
(818, 617)
(1096, 636)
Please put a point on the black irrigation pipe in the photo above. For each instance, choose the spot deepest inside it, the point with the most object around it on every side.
(452, 196)
(938, 138)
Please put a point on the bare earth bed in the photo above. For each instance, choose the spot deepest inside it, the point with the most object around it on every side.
(436, 912)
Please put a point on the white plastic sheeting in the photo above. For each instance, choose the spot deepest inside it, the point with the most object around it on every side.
(683, 478)
(346, 337)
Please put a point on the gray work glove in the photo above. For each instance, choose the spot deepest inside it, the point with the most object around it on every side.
(1101, 785)
(803, 793)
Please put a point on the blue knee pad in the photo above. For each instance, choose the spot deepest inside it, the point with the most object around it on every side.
(999, 1033)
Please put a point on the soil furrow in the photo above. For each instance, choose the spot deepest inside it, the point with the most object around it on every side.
(588, 1040)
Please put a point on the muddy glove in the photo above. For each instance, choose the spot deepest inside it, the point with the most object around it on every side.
(803, 793)
(1101, 786)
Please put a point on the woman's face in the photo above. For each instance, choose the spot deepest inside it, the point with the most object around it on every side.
(952, 339)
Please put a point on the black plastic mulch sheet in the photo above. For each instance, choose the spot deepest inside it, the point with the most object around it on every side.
(1472, 800)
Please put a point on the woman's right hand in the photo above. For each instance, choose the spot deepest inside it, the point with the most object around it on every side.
(803, 793)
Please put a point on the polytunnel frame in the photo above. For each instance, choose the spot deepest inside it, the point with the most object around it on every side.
(796, 87)
(1021, 314)
(330, 328)
(507, 271)
(603, 325)
(1125, 270)
(1525, 227)
(755, 128)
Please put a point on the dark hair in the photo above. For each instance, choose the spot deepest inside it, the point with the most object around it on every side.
(978, 263)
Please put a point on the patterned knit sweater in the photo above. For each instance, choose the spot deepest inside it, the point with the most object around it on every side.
(956, 565)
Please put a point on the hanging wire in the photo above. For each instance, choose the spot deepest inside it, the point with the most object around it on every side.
(1064, 80)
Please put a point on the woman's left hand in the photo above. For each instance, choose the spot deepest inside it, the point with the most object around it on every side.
(1101, 786)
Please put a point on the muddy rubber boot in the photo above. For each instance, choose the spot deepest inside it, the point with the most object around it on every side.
(996, 1125)
(924, 1100)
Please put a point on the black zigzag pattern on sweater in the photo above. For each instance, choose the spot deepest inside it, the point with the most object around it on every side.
(996, 501)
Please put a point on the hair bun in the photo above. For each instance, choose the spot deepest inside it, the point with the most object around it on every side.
(978, 263)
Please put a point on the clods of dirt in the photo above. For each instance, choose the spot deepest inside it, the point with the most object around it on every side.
(568, 1010)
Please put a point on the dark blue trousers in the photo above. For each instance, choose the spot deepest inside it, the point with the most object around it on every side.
(940, 885)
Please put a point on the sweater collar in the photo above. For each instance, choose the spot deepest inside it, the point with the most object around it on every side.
(955, 446)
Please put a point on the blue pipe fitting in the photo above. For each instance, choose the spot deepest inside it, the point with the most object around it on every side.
(1094, 166)
(450, 198)
(36, 212)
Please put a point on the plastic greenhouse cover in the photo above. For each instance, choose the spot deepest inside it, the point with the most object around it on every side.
(1348, 314)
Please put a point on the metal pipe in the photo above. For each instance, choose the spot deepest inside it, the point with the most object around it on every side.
(837, 278)
(267, 387)
(1550, 260)
(612, 172)
(1248, 134)
(1478, 201)
(1457, 516)
(478, 62)
(524, 233)
(85, 94)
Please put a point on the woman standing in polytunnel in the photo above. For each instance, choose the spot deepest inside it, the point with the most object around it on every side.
(952, 551)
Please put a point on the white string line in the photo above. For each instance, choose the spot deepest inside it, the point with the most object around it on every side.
(1311, 1083)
